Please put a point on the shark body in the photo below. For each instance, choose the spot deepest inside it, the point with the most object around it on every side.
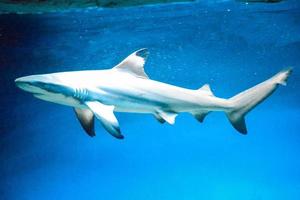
(127, 88)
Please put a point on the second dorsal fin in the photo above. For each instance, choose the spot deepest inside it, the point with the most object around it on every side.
(206, 88)
(134, 63)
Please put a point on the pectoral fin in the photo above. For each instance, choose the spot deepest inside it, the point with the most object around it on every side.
(86, 119)
(106, 116)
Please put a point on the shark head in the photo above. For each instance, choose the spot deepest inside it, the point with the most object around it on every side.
(47, 87)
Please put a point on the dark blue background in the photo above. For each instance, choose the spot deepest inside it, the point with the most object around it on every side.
(44, 153)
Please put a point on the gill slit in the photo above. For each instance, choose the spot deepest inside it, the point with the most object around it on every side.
(80, 93)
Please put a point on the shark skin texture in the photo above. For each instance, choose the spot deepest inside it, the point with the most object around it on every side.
(127, 88)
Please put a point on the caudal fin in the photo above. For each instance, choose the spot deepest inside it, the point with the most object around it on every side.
(245, 101)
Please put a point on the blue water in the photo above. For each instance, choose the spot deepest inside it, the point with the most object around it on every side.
(45, 154)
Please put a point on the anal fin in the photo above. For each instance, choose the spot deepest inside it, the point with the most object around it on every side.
(200, 116)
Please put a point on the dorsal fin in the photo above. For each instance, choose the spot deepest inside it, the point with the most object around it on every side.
(206, 88)
(134, 63)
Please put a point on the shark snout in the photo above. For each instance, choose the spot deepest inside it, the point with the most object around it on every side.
(25, 83)
(32, 83)
(45, 84)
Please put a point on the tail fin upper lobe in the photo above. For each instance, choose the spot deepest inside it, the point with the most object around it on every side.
(245, 101)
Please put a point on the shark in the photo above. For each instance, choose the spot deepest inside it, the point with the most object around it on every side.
(127, 88)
